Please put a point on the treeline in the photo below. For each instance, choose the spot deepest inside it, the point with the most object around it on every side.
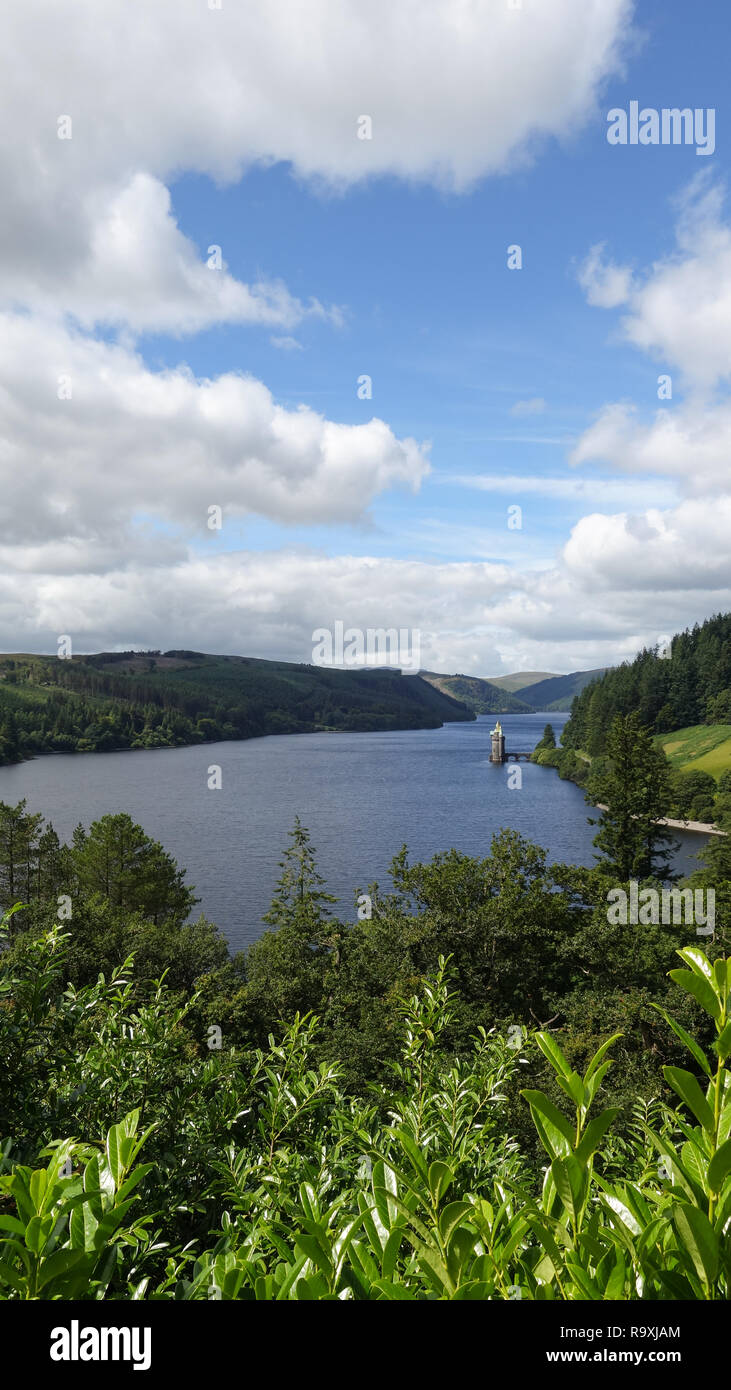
(528, 941)
(692, 685)
(148, 700)
(618, 715)
(685, 794)
(356, 1111)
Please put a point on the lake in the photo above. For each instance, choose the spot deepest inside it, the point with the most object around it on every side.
(361, 796)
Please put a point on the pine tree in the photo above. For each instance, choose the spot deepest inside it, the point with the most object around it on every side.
(119, 861)
(299, 899)
(19, 835)
(287, 968)
(634, 786)
(716, 874)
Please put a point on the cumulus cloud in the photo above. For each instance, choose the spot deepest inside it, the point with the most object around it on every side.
(679, 310)
(690, 444)
(682, 311)
(110, 484)
(454, 92)
(141, 271)
(263, 604)
(681, 549)
(471, 616)
(604, 283)
(131, 442)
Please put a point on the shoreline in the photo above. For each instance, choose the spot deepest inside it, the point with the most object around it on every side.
(697, 826)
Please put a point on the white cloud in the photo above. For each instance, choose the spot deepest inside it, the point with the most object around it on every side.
(690, 444)
(139, 270)
(109, 487)
(101, 495)
(614, 492)
(680, 309)
(615, 590)
(678, 550)
(604, 283)
(132, 442)
(259, 604)
(286, 344)
(454, 91)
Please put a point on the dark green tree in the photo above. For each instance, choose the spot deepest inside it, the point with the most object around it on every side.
(20, 832)
(634, 787)
(286, 967)
(715, 857)
(299, 897)
(116, 859)
(693, 792)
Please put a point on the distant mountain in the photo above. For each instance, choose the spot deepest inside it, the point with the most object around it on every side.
(522, 692)
(557, 692)
(519, 680)
(480, 696)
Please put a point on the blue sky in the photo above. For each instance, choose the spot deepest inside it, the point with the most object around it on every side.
(497, 374)
(452, 339)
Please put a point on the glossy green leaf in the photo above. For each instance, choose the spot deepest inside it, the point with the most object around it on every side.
(594, 1133)
(451, 1217)
(552, 1052)
(698, 1239)
(700, 988)
(571, 1184)
(697, 960)
(686, 1086)
(555, 1131)
(600, 1054)
(719, 1166)
(693, 1047)
(722, 1044)
(440, 1178)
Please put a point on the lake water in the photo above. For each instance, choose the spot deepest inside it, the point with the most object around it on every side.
(361, 796)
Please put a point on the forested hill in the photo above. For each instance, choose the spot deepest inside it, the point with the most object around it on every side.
(504, 696)
(166, 700)
(557, 692)
(479, 695)
(690, 685)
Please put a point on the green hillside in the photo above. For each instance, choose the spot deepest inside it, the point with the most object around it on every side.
(519, 680)
(701, 746)
(480, 696)
(166, 700)
(557, 692)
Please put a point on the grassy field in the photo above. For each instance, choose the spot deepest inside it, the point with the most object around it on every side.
(704, 746)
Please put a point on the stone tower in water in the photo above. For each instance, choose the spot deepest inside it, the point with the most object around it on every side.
(497, 750)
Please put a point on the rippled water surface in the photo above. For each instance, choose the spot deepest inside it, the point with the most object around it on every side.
(361, 796)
